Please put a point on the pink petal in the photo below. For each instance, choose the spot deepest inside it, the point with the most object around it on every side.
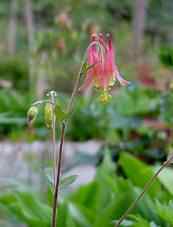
(122, 81)
(102, 41)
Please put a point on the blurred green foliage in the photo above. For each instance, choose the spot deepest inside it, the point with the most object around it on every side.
(125, 111)
(62, 31)
(166, 56)
(166, 107)
(99, 203)
(122, 122)
(130, 122)
(15, 70)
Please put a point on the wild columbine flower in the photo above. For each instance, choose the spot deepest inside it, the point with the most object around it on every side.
(104, 72)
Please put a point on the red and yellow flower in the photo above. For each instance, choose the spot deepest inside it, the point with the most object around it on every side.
(104, 72)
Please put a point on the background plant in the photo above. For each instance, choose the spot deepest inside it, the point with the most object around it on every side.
(108, 192)
(138, 120)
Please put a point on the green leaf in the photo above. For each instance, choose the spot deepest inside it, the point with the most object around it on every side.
(70, 221)
(165, 212)
(107, 166)
(27, 207)
(78, 216)
(65, 181)
(114, 209)
(140, 222)
(68, 180)
(166, 178)
(136, 100)
(139, 173)
(86, 195)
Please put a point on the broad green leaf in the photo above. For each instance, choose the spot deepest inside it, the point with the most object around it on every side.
(70, 221)
(63, 213)
(113, 210)
(107, 166)
(78, 216)
(140, 222)
(87, 212)
(166, 178)
(27, 207)
(146, 206)
(165, 212)
(86, 195)
(139, 173)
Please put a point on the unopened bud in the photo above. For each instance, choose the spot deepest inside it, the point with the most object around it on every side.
(171, 86)
(48, 115)
(32, 114)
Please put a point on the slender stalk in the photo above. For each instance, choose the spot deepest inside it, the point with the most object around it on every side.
(64, 125)
(57, 184)
(58, 173)
(53, 101)
(75, 89)
(146, 187)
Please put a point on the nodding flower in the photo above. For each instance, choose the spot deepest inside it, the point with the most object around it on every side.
(103, 72)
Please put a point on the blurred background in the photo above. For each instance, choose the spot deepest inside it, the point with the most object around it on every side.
(113, 148)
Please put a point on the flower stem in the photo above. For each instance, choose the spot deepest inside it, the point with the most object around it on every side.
(146, 187)
(58, 173)
(75, 89)
(57, 182)
(53, 101)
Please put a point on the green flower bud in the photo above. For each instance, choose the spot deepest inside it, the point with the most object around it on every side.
(32, 114)
(48, 115)
(171, 86)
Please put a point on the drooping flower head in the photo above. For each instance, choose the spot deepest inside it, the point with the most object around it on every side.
(103, 72)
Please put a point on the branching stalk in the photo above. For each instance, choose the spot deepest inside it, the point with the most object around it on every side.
(146, 187)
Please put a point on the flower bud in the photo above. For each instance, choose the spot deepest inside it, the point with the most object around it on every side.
(32, 114)
(171, 86)
(48, 115)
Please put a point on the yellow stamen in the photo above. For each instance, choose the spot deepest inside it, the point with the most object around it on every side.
(105, 97)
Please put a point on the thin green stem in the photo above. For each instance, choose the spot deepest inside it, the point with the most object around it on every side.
(75, 89)
(54, 137)
(146, 187)
(58, 173)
